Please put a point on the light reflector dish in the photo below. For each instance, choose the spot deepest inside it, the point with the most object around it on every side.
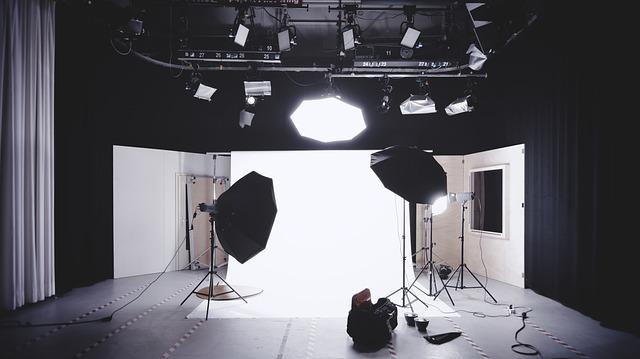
(418, 104)
(459, 105)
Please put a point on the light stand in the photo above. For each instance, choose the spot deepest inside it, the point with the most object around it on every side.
(463, 266)
(433, 288)
(405, 291)
(213, 271)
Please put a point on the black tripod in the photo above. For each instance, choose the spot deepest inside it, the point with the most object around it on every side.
(433, 287)
(213, 271)
(405, 291)
(462, 266)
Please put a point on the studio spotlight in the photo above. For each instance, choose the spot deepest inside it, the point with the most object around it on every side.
(246, 117)
(385, 102)
(410, 34)
(199, 90)
(410, 38)
(241, 35)
(135, 26)
(348, 39)
(462, 197)
(287, 39)
(204, 92)
(460, 105)
(250, 100)
(257, 88)
(287, 34)
(419, 104)
(476, 57)
(239, 31)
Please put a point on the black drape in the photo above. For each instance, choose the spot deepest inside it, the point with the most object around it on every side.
(548, 95)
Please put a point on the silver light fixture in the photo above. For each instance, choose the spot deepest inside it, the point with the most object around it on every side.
(257, 88)
(287, 35)
(476, 57)
(195, 87)
(460, 105)
(410, 38)
(241, 35)
(246, 117)
(419, 104)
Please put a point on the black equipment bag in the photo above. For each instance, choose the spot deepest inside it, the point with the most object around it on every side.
(370, 325)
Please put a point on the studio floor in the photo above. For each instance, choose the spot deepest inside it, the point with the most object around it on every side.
(154, 326)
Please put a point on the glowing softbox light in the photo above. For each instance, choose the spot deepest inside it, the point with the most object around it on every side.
(440, 205)
(328, 119)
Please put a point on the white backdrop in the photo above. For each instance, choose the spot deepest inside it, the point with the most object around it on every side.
(337, 231)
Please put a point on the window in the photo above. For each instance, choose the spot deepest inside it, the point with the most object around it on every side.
(487, 212)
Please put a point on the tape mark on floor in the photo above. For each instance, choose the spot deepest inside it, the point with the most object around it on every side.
(558, 340)
(311, 343)
(76, 319)
(284, 340)
(182, 339)
(130, 322)
(468, 339)
(392, 350)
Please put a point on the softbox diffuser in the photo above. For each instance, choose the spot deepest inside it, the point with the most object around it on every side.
(410, 173)
(245, 215)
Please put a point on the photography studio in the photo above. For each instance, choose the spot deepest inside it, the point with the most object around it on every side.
(314, 179)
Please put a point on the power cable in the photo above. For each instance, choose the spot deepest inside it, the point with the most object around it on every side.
(108, 318)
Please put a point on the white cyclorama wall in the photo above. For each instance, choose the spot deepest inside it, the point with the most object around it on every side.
(503, 256)
(336, 232)
(144, 206)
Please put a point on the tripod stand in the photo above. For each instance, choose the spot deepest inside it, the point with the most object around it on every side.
(213, 271)
(405, 290)
(463, 266)
(433, 288)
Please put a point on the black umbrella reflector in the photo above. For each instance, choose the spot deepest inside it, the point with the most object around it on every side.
(244, 216)
(410, 173)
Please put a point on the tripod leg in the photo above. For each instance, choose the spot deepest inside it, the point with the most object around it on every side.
(228, 285)
(417, 298)
(449, 280)
(444, 287)
(482, 285)
(394, 292)
(195, 289)
(210, 295)
(418, 276)
(405, 291)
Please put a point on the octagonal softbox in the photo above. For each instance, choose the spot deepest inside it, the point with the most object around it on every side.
(244, 216)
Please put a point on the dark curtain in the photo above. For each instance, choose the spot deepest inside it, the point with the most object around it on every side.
(83, 155)
(549, 96)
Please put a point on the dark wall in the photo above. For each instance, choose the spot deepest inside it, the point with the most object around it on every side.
(539, 93)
